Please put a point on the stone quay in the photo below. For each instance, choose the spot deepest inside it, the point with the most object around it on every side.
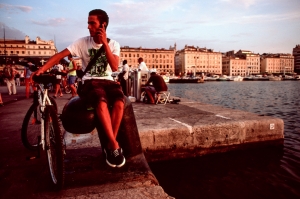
(170, 131)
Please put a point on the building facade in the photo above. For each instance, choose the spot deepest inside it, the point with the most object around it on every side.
(277, 63)
(234, 66)
(18, 50)
(252, 61)
(296, 54)
(160, 59)
(195, 60)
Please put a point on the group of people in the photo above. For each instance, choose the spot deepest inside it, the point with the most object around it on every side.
(154, 84)
(65, 75)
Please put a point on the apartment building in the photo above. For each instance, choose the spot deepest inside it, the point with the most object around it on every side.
(277, 63)
(234, 66)
(160, 59)
(17, 50)
(252, 61)
(296, 54)
(195, 60)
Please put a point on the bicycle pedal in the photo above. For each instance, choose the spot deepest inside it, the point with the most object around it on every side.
(31, 158)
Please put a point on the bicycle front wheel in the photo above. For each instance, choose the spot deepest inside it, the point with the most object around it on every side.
(54, 147)
(31, 127)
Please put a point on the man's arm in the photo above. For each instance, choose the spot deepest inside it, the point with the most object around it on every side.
(112, 59)
(149, 81)
(53, 60)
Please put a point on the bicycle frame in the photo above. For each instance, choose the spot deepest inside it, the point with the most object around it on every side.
(42, 100)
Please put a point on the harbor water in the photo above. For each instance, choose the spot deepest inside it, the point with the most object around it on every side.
(264, 172)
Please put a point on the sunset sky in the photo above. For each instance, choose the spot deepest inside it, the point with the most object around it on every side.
(261, 26)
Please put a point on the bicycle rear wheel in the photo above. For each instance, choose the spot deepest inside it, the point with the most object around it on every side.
(54, 147)
(31, 127)
(67, 89)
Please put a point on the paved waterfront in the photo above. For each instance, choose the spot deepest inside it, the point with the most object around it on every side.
(187, 129)
(87, 174)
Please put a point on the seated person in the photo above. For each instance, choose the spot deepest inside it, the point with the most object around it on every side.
(158, 85)
(99, 89)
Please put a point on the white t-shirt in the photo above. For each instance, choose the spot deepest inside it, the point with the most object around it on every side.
(126, 69)
(60, 68)
(85, 48)
(142, 66)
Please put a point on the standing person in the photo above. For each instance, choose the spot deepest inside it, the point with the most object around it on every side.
(9, 75)
(158, 84)
(58, 68)
(22, 78)
(123, 77)
(27, 74)
(18, 79)
(142, 66)
(72, 75)
(98, 89)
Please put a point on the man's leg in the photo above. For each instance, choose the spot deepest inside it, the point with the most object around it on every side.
(149, 94)
(27, 87)
(106, 121)
(14, 89)
(8, 83)
(113, 152)
(57, 87)
(116, 116)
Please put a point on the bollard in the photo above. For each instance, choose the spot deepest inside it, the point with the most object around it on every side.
(129, 84)
(137, 85)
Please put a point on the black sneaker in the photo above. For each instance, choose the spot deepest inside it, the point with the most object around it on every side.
(115, 158)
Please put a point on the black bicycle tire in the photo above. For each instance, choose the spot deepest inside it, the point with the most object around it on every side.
(24, 130)
(54, 148)
(53, 102)
(67, 89)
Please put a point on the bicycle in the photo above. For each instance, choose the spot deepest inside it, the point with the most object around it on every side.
(41, 129)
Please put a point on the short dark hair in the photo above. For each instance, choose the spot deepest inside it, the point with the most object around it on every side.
(125, 61)
(101, 14)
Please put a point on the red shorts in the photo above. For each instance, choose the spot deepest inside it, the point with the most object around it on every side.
(96, 90)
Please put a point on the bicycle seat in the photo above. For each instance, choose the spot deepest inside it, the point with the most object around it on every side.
(45, 78)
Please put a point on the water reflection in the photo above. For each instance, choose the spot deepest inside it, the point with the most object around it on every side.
(261, 173)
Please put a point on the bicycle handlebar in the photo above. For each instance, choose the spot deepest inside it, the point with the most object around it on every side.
(44, 78)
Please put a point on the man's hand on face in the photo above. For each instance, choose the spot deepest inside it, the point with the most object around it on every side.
(101, 34)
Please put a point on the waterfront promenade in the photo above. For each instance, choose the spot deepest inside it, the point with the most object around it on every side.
(167, 131)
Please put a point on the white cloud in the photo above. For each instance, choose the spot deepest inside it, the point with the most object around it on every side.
(129, 11)
(50, 22)
(245, 3)
(15, 7)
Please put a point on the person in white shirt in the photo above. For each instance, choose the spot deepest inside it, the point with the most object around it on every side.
(99, 90)
(142, 66)
(123, 77)
(58, 68)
